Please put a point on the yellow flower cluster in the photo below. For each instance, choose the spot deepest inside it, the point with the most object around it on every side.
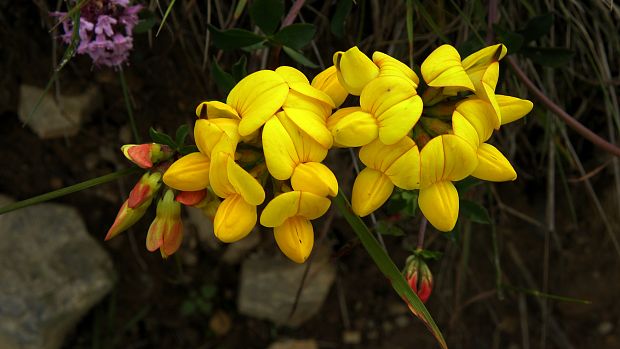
(277, 124)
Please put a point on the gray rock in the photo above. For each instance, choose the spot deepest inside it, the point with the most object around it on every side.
(51, 273)
(235, 252)
(53, 118)
(269, 286)
(204, 229)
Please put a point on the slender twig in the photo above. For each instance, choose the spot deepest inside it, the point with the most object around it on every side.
(421, 232)
(567, 118)
(132, 121)
(67, 190)
(293, 12)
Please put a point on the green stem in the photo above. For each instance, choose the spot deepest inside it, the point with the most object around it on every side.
(68, 190)
(132, 121)
(387, 266)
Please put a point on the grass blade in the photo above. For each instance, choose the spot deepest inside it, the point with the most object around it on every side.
(163, 20)
(387, 266)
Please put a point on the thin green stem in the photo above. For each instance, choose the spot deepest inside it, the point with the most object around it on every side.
(387, 266)
(68, 190)
(132, 121)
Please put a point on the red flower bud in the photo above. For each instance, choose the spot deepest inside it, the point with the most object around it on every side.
(145, 155)
(191, 198)
(144, 190)
(166, 231)
(419, 277)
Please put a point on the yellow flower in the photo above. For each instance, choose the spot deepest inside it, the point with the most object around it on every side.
(191, 172)
(389, 108)
(255, 99)
(307, 106)
(443, 68)
(387, 166)
(290, 214)
(444, 159)
(327, 81)
(473, 120)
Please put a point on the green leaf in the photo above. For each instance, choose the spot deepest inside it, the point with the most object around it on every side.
(428, 254)
(553, 57)
(146, 23)
(161, 138)
(166, 14)
(537, 27)
(343, 8)
(223, 80)
(386, 228)
(267, 14)
(233, 38)
(475, 212)
(387, 266)
(188, 149)
(181, 134)
(299, 57)
(512, 40)
(295, 35)
(238, 69)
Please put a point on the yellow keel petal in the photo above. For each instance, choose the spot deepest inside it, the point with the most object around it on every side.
(371, 189)
(440, 205)
(493, 165)
(295, 238)
(189, 173)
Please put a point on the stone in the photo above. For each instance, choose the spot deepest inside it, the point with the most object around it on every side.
(51, 273)
(52, 118)
(235, 252)
(269, 284)
(204, 229)
(295, 344)
(351, 337)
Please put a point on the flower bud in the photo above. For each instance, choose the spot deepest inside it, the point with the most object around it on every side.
(354, 69)
(192, 198)
(144, 190)
(166, 231)
(127, 217)
(419, 277)
(145, 155)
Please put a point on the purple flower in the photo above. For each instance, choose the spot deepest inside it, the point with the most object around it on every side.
(105, 30)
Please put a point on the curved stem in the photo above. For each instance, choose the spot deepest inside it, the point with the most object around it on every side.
(293, 12)
(67, 190)
(567, 118)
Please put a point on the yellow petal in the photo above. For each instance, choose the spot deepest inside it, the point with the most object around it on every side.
(442, 68)
(311, 124)
(476, 63)
(485, 90)
(493, 165)
(291, 75)
(440, 205)
(370, 190)
(355, 70)
(293, 203)
(513, 108)
(381, 156)
(464, 129)
(208, 133)
(218, 174)
(339, 114)
(314, 177)
(256, 98)
(280, 154)
(396, 122)
(234, 219)
(405, 171)
(355, 129)
(216, 109)
(244, 184)
(327, 81)
(384, 92)
(189, 173)
(307, 148)
(446, 158)
(298, 100)
(295, 238)
(480, 115)
(312, 92)
(392, 66)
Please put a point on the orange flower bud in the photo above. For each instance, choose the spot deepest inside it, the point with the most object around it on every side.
(166, 231)
(191, 198)
(144, 190)
(145, 155)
